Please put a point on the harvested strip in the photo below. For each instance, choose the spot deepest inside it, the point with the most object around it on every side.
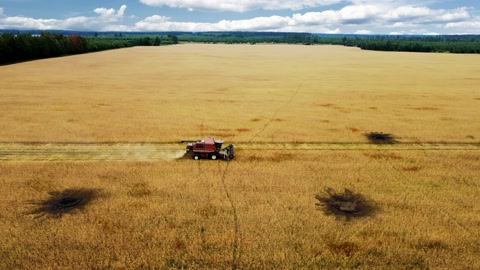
(171, 151)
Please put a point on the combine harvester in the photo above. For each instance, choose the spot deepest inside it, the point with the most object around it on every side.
(209, 148)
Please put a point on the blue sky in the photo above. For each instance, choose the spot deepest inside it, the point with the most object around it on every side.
(315, 16)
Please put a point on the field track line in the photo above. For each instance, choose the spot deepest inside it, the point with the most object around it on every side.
(150, 151)
(236, 238)
(277, 111)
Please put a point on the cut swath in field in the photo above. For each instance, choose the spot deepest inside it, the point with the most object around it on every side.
(347, 204)
(62, 202)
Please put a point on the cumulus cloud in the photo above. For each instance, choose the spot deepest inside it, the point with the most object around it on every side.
(348, 15)
(426, 15)
(363, 32)
(161, 23)
(360, 17)
(106, 20)
(241, 5)
(104, 12)
(465, 27)
(359, 14)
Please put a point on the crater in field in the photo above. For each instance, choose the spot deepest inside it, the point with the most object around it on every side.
(380, 137)
(347, 204)
(60, 202)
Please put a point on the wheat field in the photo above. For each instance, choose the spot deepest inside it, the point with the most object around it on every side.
(297, 116)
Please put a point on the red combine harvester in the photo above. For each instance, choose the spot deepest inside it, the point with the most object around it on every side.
(209, 148)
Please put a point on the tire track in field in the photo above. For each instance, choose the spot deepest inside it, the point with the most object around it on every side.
(236, 251)
(401, 174)
(143, 151)
(276, 112)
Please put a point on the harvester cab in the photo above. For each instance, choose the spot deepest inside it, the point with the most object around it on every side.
(209, 148)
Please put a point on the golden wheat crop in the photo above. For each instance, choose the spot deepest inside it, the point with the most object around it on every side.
(241, 93)
(297, 115)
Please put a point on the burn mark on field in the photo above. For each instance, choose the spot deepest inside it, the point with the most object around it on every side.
(61, 202)
(243, 129)
(347, 204)
(380, 138)
(255, 120)
(278, 119)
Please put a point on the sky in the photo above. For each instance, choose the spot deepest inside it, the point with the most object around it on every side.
(396, 17)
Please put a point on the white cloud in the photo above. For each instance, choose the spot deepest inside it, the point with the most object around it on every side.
(363, 32)
(359, 14)
(273, 23)
(465, 27)
(415, 32)
(362, 17)
(106, 20)
(345, 16)
(121, 11)
(161, 23)
(104, 12)
(240, 5)
(425, 15)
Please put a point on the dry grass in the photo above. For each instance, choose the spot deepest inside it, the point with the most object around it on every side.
(258, 211)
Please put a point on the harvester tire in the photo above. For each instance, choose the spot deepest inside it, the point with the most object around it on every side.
(196, 156)
(213, 156)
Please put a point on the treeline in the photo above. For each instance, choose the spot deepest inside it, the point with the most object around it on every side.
(435, 44)
(439, 44)
(246, 37)
(25, 46)
(21, 46)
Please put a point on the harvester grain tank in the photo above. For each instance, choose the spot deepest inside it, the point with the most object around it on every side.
(209, 148)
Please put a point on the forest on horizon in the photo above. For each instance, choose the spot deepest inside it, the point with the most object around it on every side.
(18, 46)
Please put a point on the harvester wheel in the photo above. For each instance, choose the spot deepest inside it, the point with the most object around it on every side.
(213, 156)
(196, 156)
